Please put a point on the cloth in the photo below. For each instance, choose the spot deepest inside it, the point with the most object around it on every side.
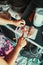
(5, 46)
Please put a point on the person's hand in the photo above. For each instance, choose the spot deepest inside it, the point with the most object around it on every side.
(20, 23)
(24, 29)
(21, 42)
(29, 31)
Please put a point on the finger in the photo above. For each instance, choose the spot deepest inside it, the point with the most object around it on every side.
(20, 25)
(22, 36)
(22, 21)
(25, 42)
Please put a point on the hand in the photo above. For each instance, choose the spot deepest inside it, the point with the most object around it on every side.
(22, 42)
(20, 23)
(24, 29)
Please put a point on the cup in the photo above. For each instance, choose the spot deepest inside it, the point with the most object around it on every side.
(38, 18)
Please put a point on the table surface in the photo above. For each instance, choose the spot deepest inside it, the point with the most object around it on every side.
(39, 37)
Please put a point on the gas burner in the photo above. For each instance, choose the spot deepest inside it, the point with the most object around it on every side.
(4, 7)
(13, 13)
